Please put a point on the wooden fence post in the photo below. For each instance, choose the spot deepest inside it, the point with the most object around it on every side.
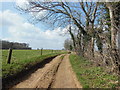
(41, 51)
(9, 56)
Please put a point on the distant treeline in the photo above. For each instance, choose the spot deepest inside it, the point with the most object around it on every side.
(14, 45)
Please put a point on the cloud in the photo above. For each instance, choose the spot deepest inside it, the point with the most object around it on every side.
(8, 18)
(22, 4)
(20, 30)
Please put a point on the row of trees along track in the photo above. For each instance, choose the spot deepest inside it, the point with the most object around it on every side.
(88, 23)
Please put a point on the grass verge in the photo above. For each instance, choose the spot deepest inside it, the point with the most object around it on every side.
(91, 76)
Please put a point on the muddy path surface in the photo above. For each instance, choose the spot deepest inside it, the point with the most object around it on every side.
(56, 74)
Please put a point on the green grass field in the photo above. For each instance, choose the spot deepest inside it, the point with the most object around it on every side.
(91, 76)
(23, 59)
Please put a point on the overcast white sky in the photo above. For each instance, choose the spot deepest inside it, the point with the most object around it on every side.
(15, 27)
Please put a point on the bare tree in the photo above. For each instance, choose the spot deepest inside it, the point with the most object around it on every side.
(90, 10)
(114, 18)
(84, 16)
(68, 44)
(58, 13)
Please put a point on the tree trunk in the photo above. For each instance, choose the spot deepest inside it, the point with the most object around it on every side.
(92, 46)
(114, 52)
(92, 40)
(113, 30)
(73, 38)
(80, 46)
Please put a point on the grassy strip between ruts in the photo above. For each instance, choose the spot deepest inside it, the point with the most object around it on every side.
(16, 67)
(91, 76)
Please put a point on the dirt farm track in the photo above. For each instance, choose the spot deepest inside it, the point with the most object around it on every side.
(55, 74)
